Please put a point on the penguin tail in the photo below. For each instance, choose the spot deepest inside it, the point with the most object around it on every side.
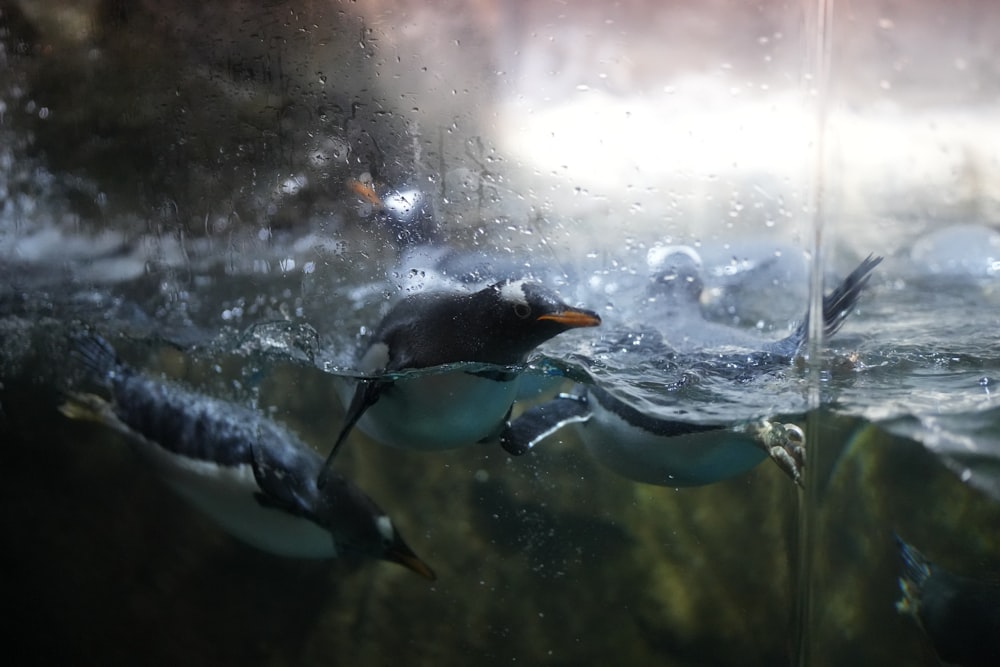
(916, 567)
(839, 303)
(97, 356)
(915, 572)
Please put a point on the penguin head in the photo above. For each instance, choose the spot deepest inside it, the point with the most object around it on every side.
(521, 315)
(360, 528)
(675, 273)
(500, 324)
(395, 550)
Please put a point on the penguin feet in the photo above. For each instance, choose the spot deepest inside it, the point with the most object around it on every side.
(785, 444)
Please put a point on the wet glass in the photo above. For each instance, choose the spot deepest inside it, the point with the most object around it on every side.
(900, 512)
(234, 194)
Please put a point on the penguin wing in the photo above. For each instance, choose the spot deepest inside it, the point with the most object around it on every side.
(279, 485)
(366, 394)
(543, 420)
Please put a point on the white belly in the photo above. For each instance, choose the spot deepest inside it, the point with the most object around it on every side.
(439, 411)
(226, 495)
(683, 460)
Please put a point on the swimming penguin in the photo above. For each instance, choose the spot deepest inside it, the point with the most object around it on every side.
(675, 452)
(451, 407)
(960, 615)
(254, 478)
(426, 261)
(674, 292)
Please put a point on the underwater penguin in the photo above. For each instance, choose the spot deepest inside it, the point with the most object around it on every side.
(254, 478)
(673, 452)
(494, 328)
(960, 615)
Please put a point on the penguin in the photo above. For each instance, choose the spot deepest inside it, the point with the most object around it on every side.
(465, 348)
(655, 450)
(675, 452)
(674, 291)
(426, 262)
(254, 478)
(960, 615)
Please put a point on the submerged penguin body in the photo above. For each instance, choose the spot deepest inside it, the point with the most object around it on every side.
(254, 478)
(663, 452)
(440, 410)
(671, 451)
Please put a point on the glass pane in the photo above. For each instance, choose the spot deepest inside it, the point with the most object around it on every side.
(906, 450)
(224, 230)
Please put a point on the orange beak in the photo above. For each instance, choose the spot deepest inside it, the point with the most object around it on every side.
(364, 191)
(573, 318)
(412, 562)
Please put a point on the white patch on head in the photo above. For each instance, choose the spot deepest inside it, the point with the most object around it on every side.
(385, 529)
(513, 292)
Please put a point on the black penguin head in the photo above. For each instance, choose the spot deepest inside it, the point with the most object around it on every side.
(360, 528)
(522, 315)
(500, 324)
(675, 273)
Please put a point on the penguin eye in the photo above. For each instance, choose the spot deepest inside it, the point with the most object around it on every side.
(522, 310)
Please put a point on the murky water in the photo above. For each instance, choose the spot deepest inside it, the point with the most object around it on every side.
(248, 269)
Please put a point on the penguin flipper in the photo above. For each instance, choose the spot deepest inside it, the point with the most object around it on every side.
(543, 420)
(366, 394)
(277, 484)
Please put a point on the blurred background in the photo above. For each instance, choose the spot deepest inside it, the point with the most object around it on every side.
(184, 177)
